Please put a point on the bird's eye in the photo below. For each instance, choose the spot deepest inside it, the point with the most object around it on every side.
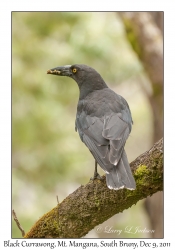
(74, 70)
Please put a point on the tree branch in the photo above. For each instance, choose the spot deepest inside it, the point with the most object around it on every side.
(94, 203)
(18, 223)
(147, 41)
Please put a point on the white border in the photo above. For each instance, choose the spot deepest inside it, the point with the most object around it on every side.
(5, 94)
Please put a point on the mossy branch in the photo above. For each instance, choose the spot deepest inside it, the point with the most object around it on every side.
(94, 203)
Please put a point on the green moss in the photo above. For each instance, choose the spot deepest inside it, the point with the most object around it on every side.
(141, 174)
(47, 225)
(141, 170)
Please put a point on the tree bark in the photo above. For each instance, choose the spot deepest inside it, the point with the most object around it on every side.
(146, 39)
(94, 203)
(144, 31)
(158, 17)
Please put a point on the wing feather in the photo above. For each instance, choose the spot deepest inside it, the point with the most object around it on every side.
(116, 131)
(99, 153)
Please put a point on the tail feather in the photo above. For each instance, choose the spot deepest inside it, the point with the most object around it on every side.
(121, 175)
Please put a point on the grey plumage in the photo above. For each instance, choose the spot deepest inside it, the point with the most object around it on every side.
(103, 122)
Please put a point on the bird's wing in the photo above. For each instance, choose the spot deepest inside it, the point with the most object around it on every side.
(105, 137)
(104, 126)
(100, 153)
(116, 131)
(90, 130)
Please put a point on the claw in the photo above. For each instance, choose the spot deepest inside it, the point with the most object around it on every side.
(96, 176)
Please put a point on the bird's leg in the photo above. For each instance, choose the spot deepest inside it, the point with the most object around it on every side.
(96, 174)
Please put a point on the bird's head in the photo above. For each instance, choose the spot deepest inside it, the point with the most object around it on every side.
(87, 78)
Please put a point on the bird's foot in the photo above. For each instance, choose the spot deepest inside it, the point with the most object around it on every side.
(96, 176)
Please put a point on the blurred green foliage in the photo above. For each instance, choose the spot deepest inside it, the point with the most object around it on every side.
(48, 157)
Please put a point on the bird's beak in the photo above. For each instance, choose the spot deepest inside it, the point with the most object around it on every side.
(61, 71)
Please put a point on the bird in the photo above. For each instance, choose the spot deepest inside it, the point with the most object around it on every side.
(104, 122)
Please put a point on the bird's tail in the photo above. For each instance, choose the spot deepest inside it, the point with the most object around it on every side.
(121, 176)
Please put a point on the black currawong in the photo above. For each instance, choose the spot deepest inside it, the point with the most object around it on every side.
(103, 122)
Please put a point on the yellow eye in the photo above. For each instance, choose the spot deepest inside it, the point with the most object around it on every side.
(74, 70)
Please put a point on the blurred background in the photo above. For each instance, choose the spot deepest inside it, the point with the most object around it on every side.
(48, 157)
